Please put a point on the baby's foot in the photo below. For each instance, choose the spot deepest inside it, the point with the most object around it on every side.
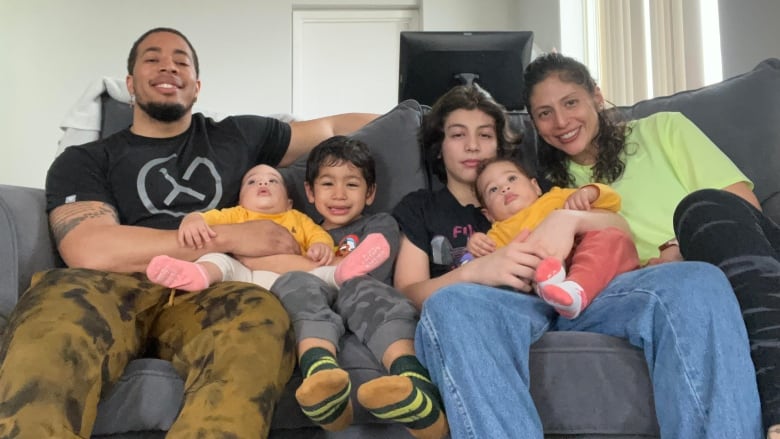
(367, 256)
(566, 297)
(550, 271)
(175, 273)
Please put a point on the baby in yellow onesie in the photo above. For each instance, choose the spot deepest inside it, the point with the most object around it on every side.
(263, 196)
(514, 202)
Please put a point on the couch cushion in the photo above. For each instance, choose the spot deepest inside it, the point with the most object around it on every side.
(392, 139)
(612, 382)
(150, 394)
(742, 116)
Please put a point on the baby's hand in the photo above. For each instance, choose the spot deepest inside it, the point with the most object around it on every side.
(320, 253)
(480, 245)
(582, 198)
(194, 232)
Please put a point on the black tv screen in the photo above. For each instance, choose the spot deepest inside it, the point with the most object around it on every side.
(431, 63)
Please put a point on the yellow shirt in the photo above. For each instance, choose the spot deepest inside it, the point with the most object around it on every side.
(502, 232)
(305, 231)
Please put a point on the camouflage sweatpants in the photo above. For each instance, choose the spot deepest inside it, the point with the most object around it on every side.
(74, 331)
(376, 313)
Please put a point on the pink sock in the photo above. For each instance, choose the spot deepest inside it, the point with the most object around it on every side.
(550, 271)
(175, 273)
(563, 295)
(566, 297)
(368, 255)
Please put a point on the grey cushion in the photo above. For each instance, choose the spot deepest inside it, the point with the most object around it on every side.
(392, 139)
(150, 394)
(25, 244)
(742, 116)
(614, 394)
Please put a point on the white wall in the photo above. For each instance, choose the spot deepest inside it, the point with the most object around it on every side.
(543, 18)
(749, 33)
(467, 15)
(51, 50)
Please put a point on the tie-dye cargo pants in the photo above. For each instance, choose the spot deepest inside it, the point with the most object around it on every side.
(74, 330)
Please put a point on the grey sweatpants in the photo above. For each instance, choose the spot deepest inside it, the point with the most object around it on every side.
(375, 312)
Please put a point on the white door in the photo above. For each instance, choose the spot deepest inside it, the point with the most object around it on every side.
(346, 60)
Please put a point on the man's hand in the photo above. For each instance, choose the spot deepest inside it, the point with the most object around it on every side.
(320, 253)
(254, 238)
(194, 232)
(480, 245)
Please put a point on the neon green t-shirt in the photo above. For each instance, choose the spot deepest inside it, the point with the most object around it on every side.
(667, 157)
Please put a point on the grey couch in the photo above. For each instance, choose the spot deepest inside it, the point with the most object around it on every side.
(569, 370)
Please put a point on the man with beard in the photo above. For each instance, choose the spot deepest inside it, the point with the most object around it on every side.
(115, 203)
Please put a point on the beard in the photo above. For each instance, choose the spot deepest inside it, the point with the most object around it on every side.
(164, 112)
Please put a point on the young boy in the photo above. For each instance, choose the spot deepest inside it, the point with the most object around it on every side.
(263, 196)
(513, 202)
(340, 182)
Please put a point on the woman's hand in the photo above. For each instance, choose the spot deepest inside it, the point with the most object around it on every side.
(669, 254)
(480, 245)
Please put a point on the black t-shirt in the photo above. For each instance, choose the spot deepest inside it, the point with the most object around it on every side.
(155, 182)
(437, 224)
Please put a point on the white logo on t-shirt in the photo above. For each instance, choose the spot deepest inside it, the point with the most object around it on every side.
(178, 188)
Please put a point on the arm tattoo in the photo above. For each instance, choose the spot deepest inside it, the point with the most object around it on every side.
(69, 216)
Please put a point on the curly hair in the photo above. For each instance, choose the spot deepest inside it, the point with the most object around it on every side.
(465, 97)
(611, 137)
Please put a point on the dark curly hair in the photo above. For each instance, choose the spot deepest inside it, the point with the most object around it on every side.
(610, 140)
(131, 58)
(338, 150)
(466, 97)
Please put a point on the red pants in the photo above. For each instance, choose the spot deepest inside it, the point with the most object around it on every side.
(599, 256)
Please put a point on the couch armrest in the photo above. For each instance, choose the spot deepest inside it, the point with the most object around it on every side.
(25, 243)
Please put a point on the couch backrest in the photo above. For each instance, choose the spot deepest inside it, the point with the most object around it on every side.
(741, 115)
(392, 139)
(25, 244)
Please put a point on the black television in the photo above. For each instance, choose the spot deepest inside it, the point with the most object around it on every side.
(430, 63)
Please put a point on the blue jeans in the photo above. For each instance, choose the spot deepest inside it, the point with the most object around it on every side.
(475, 342)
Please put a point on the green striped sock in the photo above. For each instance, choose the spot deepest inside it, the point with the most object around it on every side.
(324, 393)
(407, 396)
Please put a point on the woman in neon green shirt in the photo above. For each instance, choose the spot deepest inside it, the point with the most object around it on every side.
(653, 163)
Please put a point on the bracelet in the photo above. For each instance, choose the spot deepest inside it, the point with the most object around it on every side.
(670, 243)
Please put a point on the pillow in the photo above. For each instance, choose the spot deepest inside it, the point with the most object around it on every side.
(741, 115)
(392, 139)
